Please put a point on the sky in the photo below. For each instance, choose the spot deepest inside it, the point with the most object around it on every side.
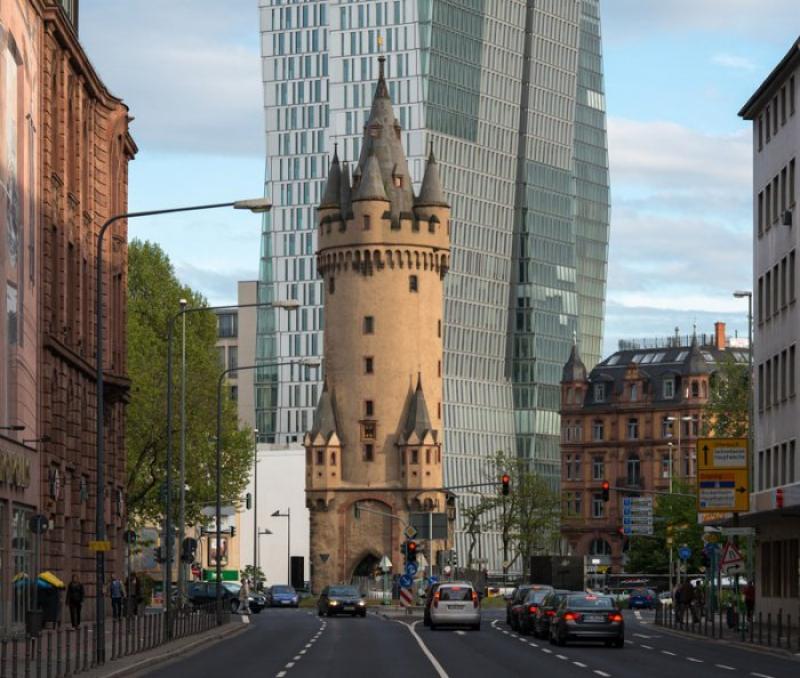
(676, 74)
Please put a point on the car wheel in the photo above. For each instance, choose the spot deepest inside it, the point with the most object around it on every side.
(432, 626)
(619, 643)
(476, 627)
(234, 606)
(363, 614)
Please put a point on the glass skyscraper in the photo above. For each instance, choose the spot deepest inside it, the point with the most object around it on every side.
(518, 128)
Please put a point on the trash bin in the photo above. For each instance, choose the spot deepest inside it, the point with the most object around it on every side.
(33, 622)
(50, 606)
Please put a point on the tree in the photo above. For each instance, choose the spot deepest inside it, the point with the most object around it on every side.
(254, 574)
(727, 411)
(473, 524)
(153, 297)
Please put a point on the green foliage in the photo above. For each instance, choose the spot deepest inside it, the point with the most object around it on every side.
(254, 574)
(154, 293)
(726, 414)
(651, 554)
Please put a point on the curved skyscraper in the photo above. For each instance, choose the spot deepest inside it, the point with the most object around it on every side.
(510, 94)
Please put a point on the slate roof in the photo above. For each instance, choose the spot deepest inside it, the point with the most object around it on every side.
(574, 369)
(418, 420)
(325, 421)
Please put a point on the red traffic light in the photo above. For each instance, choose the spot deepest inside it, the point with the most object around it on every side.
(505, 479)
(411, 547)
(606, 487)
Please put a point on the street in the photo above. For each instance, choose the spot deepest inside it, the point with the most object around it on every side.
(298, 644)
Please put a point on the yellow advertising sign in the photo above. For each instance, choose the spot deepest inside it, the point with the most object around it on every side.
(722, 490)
(722, 453)
(99, 545)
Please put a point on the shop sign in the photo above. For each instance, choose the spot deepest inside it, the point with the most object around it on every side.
(15, 470)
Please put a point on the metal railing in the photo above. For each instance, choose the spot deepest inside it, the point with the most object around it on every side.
(63, 652)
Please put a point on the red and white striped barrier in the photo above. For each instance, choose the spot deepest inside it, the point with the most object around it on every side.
(406, 597)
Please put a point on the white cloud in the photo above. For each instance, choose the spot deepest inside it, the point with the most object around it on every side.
(738, 63)
(219, 286)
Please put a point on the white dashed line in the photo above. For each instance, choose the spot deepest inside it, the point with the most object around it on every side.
(602, 673)
(760, 675)
(560, 656)
(671, 654)
(646, 647)
(545, 650)
(695, 660)
(461, 633)
(532, 644)
(281, 674)
(581, 664)
(289, 665)
(302, 652)
(296, 658)
(725, 666)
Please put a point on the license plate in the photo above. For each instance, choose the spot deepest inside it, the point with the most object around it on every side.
(455, 607)
(285, 602)
(594, 618)
(349, 607)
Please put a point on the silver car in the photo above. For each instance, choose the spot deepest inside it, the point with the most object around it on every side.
(456, 604)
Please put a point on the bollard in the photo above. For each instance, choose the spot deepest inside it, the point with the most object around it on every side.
(780, 626)
(769, 629)
(59, 638)
(759, 629)
(49, 656)
(14, 659)
(28, 653)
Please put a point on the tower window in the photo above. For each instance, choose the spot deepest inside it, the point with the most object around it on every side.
(369, 452)
(369, 324)
(369, 366)
(431, 227)
(320, 457)
(439, 328)
(369, 430)
(369, 408)
(366, 222)
(331, 285)
(413, 284)
(415, 456)
(439, 368)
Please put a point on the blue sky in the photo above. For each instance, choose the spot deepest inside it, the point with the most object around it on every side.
(676, 73)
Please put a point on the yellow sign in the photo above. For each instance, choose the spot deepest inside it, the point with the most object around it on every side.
(99, 545)
(721, 453)
(722, 491)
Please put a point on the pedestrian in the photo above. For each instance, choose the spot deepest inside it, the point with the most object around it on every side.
(687, 597)
(750, 599)
(75, 596)
(244, 597)
(117, 591)
(676, 601)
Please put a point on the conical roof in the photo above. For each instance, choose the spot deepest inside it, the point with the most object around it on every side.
(325, 422)
(371, 186)
(431, 193)
(574, 369)
(697, 364)
(345, 193)
(330, 198)
(382, 140)
(418, 420)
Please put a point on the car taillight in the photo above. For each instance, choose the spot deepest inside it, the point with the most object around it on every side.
(614, 617)
(436, 599)
(474, 599)
(533, 609)
(572, 616)
(550, 613)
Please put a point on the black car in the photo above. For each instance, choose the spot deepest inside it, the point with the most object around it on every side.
(519, 607)
(201, 593)
(341, 599)
(586, 616)
(540, 623)
(522, 615)
(516, 597)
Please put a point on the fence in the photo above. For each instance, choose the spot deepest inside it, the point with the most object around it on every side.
(771, 630)
(64, 652)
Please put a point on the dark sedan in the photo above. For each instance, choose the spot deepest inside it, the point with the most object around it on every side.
(520, 608)
(341, 600)
(546, 610)
(588, 617)
(525, 612)
(642, 599)
(283, 596)
(201, 594)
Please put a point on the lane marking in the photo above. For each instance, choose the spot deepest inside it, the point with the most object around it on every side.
(646, 647)
(434, 662)
(560, 656)
(695, 660)
(581, 664)
(461, 633)
(671, 654)
(643, 635)
(725, 666)
(296, 658)
(547, 651)
(281, 674)
(289, 665)
(602, 673)
(638, 615)
(302, 652)
(760, 675)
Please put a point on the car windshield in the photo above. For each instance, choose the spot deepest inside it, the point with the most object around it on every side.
(349, 591)
(230, 586)
(536, 596)
(589, 601)
(283, 589)
(455, 593)
(642, 592)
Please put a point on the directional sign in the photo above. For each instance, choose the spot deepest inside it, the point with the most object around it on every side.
(433, 580)
(637, 515)
(385, 564)
(406, 582)
(410, 532)
(684, 553)
(721, 453)
(99, 545)
(739, 531)
(411, 569)
(727, 490)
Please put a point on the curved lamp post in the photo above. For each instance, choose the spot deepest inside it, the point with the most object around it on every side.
(256, 205)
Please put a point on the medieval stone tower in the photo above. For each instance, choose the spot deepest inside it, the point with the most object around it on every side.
(377, 433)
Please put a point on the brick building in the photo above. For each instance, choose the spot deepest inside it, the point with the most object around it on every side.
(632, 421)
(83, 167)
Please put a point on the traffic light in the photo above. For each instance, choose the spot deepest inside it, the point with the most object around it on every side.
(411, 551)
(233, 530)
(606, 487)
(248, 501)
(188, 550)
(158, 554)
(454, 559)
(505, 479)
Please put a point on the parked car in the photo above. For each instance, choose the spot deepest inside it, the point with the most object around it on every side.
(426, 611)
(642, 599)
(546, 610)
(525, 613)
(586, 616)
(519, 608)
(282, 596)
(341, 599)
(515, 598)
(201, 593)
(456, 603)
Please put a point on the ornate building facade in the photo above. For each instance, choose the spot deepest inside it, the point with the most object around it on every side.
(376, 439)
(85, 150)
(633, 421)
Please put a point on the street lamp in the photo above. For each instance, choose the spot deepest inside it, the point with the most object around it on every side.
(288, 516)
(255, 502)
(308, 362)
(258, 205)
(182, 472)
(672, 421)
(740, 294)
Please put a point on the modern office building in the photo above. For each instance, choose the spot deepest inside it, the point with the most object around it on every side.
(518, 127)
(775, 499)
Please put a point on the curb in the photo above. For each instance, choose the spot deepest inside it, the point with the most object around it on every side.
(170, 653)
(750, 647)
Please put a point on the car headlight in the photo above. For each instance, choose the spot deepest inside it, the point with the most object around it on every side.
(333, 602)
(361, 602)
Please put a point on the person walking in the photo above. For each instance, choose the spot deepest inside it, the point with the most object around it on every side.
(750, 599)
(75, 596)
(117, 591)
(244, 597)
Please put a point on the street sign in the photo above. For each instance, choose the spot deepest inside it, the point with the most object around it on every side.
(637, 515)
(711, 537)
(732, 561)
(684, 553)
(385, 564)
(99, 545)
(739, 531)
(406, 582)
(433, 580)
(721, 453)
(410, 532)
(723, 490)
(411, 569)
(506, 564)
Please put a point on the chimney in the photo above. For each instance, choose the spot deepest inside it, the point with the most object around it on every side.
(719, 336)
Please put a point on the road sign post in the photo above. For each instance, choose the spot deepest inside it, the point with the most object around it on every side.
(723, 484)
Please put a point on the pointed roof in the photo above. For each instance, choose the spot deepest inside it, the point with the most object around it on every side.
(418, 420)
(697, 363)
(574, 369)
(345, 193)
(325, 422)
(431, 193)
(382, 140)
(330, 199)
(371, 186)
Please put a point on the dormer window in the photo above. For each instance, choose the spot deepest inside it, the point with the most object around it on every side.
(634, 392)
(599, 393)
(669, 388)
(695, 389)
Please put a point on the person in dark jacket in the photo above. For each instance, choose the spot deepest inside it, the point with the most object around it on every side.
(75, 596)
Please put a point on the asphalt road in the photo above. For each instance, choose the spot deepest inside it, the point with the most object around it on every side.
(298, 644)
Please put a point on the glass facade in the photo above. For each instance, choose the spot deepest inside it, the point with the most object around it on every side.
(518, 128)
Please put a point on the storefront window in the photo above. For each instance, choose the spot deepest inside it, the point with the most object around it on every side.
(21, 561)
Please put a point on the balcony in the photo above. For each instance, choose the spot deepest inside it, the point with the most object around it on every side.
(632, 483)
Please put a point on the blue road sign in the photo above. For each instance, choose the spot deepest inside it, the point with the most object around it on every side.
(406, 582)
(433, 580)
(684, 553)
(411, 569)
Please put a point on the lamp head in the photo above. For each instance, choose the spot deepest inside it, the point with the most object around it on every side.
(741, 294)
(288, 304)
(255, 205)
